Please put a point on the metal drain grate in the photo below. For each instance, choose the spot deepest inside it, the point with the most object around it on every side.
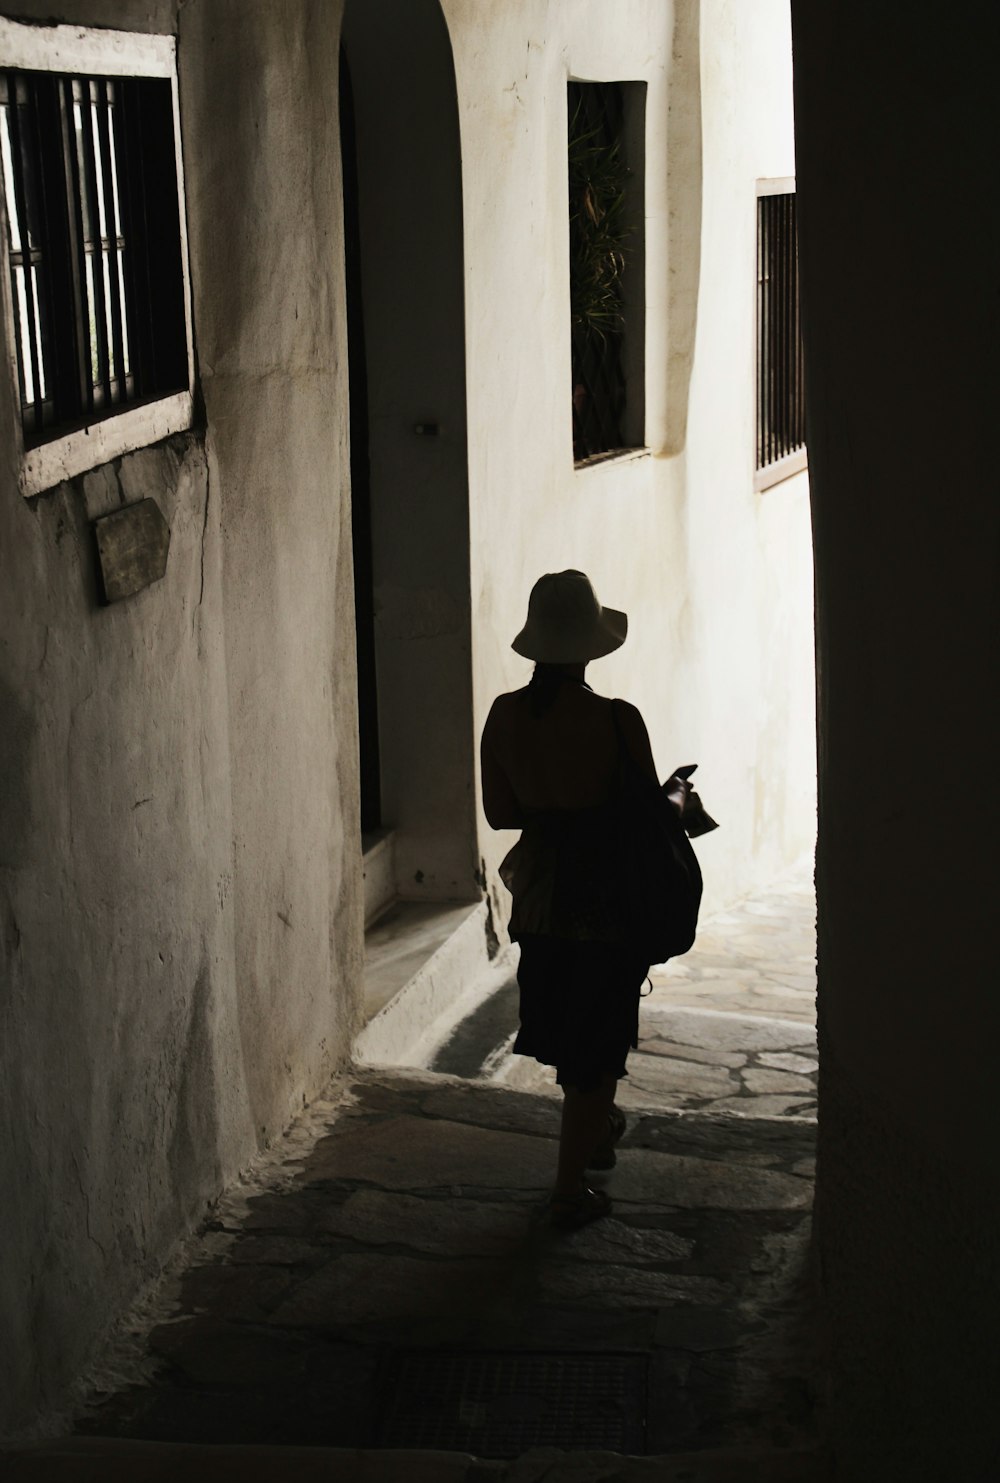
(502, 1404)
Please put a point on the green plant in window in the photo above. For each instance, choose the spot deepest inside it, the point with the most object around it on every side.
(598, 229)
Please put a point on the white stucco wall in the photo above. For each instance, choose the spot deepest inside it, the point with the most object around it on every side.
(716, 579)
(180, 914)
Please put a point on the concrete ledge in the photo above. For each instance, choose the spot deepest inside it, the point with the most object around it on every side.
(392, 1037)
(106, 1460)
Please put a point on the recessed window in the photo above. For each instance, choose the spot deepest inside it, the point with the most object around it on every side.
(98, 317)
(606, 264)
(781, 407)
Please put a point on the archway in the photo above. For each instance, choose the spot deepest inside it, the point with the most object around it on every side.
(403, 213)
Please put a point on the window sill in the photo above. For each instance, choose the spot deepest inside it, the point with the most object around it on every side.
(613, 455)
(76, 453)
(784, 468)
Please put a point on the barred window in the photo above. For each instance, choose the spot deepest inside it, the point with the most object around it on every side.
(98, 315)
(781, 425)
(607, 312)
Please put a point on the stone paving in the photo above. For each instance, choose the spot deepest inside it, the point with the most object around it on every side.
(730, 1027)
(759, 958)
(410, 1216)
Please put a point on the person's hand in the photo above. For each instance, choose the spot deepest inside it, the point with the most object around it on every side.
(678, 790)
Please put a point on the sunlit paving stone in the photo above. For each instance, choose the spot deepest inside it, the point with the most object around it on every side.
(744, 996)
(787, 1061)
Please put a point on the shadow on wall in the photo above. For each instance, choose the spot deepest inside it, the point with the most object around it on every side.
(684, 194)
(15, 756)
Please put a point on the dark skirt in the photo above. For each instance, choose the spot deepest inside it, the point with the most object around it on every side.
(579, 1007)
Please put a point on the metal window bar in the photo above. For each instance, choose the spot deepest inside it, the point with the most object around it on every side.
(112, 242)
(595, 114)
(780, 383)
(93, 245)
(99, 314)
(763, 451)
(98, 245)
(26, 255)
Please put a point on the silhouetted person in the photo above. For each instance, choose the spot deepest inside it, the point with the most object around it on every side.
(551, 767)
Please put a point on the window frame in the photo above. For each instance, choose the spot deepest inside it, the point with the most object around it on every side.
(795, 462)
(74, 50)
(633, 348)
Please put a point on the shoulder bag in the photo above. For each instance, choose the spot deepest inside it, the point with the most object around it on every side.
(660, 878)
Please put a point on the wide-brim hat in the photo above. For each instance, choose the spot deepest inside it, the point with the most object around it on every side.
(566, 623)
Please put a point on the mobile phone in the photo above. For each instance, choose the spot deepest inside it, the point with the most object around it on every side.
(684, 772)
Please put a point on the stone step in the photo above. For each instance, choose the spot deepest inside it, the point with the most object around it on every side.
(422, 962)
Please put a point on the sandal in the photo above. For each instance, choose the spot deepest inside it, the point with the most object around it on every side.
(604, 1156)
(588, 1205)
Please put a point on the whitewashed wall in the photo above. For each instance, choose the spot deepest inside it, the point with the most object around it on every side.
(716, 578)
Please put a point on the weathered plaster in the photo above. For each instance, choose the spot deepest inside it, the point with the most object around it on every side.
(123, 1109)
(259, 85)
(179, 873)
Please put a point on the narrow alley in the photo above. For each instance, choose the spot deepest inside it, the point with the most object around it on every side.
(387, 1278)
(335, 332)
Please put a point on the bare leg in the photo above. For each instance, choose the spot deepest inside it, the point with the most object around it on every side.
(584, 1128)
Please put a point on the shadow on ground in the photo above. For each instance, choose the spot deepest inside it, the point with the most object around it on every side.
(395, 1284)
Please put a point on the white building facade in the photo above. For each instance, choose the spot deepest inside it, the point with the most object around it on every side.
(182, 872)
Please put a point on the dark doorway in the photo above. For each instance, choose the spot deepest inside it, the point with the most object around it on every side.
(406, 327)
(361, 508)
